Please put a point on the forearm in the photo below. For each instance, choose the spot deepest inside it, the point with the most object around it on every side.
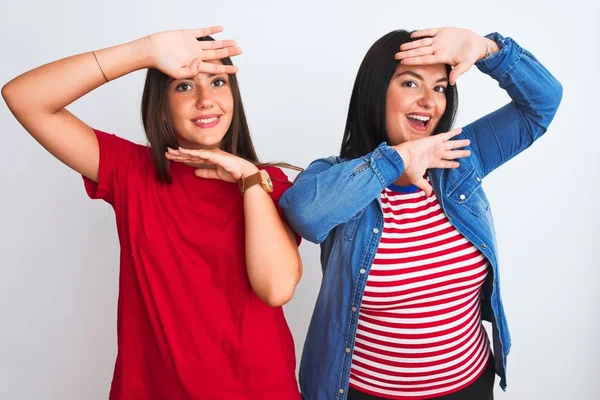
(535, 95)
(51, 87)
(528, 83)
(328, 194)
(272, 258)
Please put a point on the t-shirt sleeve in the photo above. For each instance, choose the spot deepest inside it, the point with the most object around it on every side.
(115, 157)
(281, 183)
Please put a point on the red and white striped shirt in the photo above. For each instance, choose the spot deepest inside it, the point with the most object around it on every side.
(419, 332)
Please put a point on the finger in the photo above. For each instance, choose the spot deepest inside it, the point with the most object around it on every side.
(198, 66)
(417, 43)
(455, 144)
(221, 53)
(178, 158)
(194, 153)
(446, 164)
(423, 185)
(458, 71)
(424, 60)
(454, 154)
(217, 44)
(207, 31)
(450, 134)
(424, 32)
(189, 160)
(207, 156)
(421, 51)
(173, 156)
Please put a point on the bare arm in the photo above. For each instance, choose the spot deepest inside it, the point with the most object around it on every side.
(272, 259)
(38, 97)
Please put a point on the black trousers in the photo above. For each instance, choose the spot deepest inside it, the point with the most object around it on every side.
(481, 389)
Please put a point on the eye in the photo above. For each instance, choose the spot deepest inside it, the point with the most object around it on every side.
(409, 84)
(183, 87)
(219, 82)
(440, 89)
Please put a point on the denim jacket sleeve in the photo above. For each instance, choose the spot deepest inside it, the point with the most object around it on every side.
(331, 190)
(535, 94)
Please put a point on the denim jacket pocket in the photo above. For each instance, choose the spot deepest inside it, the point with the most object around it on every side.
(466, 191)
(347, 230)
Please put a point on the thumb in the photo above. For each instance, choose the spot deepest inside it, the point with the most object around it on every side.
(458, 71)
(193, 69)
(424, 185)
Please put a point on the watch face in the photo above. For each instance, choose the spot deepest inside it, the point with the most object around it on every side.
(267, 183)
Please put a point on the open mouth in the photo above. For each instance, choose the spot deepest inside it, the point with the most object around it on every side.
(207, 121)
(418, 122)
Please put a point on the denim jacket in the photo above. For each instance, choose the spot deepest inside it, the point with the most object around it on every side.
(336, 202)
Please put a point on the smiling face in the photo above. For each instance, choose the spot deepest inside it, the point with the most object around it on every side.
(415, 101)
(201, 110)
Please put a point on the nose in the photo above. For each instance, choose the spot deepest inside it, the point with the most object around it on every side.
(204, 100)
(427, 100)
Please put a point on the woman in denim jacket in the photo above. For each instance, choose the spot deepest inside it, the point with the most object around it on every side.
(408, 250)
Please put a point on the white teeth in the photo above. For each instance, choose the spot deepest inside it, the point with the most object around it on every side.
(419, 117)
(207, 120)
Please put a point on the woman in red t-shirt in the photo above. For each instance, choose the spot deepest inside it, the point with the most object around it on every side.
(204, 270)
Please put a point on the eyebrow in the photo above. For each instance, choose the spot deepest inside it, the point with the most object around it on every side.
(210, 76)
(418, 76)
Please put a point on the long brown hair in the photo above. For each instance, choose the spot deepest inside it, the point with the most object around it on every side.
(160, 132)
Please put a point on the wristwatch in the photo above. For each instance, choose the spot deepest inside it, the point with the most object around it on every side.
(261, 177)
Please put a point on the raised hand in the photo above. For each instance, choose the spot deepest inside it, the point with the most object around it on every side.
(460, 48)
(214, 164)
(179, 55)
(436, 151)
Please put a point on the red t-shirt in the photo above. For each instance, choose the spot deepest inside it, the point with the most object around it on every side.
(189, 324)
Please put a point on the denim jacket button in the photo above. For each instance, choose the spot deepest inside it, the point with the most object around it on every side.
(341, 391)
(484, 246)
(362, 271)
(462, 197)
(375, 230)
(348, 350)
(354, 309)
(478, 179)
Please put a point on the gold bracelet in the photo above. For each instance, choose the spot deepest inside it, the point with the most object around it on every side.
(100, 66)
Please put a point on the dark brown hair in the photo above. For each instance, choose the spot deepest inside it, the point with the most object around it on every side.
(160, 132)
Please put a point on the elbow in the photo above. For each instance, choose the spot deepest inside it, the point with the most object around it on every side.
(557, 95)
(7, 93)
(14, 98)
(301, 216)
(278, 298)
(278, 291)
(276, 295)
(542, 120)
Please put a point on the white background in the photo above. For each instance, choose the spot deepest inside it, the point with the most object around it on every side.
(59, 250)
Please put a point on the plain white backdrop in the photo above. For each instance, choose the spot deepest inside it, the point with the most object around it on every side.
(59, 250)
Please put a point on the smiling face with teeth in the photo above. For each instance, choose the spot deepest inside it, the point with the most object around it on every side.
(200, 110)
(415, 101)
